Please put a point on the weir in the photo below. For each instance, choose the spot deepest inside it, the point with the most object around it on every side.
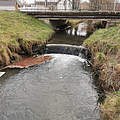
(67, 49)
(59, 89)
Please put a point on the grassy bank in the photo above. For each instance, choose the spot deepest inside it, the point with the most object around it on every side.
(104, 46)
(21, 35)
(111, 107)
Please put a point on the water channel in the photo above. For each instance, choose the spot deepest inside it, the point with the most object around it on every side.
(60, 89)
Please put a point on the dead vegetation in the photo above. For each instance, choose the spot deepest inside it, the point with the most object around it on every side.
(104, 46)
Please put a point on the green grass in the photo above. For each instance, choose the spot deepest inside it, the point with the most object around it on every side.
(15, 26)
(19, 30)
(106, 42)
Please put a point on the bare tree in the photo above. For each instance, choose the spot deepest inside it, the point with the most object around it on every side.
(76, 4)
(103, 4)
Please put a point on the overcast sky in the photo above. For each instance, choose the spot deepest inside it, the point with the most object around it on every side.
(85, 0)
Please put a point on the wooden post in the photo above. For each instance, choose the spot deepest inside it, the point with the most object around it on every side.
(16, 6)
(115, 5)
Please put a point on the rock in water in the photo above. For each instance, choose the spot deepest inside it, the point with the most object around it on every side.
(1, 74)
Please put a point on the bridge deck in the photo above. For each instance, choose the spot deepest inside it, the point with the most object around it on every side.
(74, 14)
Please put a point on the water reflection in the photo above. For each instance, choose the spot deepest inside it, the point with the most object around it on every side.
(73, 36)
(80, 30)
(60, 89)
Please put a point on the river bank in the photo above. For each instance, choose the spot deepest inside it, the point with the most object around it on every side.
(104, 45)
(21, 35)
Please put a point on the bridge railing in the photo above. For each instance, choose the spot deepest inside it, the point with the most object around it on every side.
(67, 5)
(62, 5)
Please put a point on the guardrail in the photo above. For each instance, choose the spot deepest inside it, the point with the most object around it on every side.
(67, 5)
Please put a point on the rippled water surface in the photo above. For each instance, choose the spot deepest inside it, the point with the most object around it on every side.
(60, 89)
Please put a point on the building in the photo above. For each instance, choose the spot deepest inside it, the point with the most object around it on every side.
(7, 2)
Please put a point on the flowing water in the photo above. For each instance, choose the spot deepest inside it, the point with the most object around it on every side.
(74, 36)
(60, 89)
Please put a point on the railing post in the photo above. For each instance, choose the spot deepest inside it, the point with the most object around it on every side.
(73, 4)
(45, 3)
(115, 4)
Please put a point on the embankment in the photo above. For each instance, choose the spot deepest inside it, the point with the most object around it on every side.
(21, 35)
(104, 45)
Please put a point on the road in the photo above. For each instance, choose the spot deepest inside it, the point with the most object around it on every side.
(7, 4)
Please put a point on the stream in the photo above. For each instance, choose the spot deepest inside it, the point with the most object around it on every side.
(59, 89)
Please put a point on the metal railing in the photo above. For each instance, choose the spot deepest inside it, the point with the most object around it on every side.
(63, 5)
(67, 5)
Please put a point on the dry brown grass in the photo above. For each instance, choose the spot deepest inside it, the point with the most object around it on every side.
(104, 46)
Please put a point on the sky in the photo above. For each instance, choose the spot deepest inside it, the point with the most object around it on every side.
(85, 0)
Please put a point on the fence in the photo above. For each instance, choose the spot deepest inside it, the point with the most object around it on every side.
(68, 5)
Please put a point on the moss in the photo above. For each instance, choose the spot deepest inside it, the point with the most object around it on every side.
(111, 107)
(19, 32)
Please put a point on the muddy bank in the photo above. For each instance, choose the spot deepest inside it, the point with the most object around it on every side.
(21, 35)
(29, 61)
(104, 46)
